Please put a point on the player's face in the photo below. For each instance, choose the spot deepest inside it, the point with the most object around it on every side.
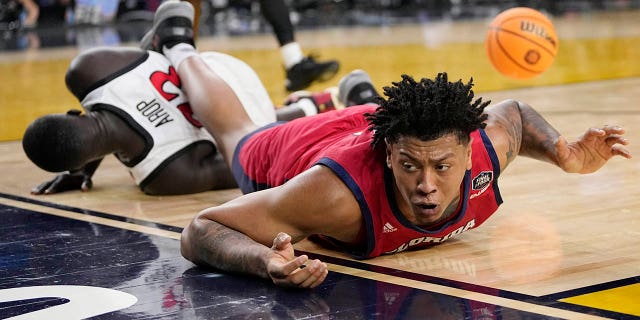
(428, 176)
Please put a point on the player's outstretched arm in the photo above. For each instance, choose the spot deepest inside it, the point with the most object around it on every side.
(254, 234)
(515, 128)
(206, 242)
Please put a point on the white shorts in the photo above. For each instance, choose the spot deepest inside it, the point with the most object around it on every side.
(245, 83)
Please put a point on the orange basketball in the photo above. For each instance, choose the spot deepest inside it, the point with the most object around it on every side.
(521, 43)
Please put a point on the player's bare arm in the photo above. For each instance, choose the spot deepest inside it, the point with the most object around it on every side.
(516, 128)
(254, 234)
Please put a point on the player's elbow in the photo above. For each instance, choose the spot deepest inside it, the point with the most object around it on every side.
(185, 243)
(193, 240)
(189, 242)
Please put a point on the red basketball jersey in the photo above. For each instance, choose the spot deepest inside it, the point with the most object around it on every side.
(341, 141)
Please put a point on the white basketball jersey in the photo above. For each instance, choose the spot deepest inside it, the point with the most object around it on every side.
(149, 98)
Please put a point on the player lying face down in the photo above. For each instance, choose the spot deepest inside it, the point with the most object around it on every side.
(418, 169)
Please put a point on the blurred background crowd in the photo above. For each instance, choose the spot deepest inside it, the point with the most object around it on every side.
(51, 23)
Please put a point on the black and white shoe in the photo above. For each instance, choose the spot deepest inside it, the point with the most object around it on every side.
(356, 88)
(172, 24)
(324, 101)
(305, 72)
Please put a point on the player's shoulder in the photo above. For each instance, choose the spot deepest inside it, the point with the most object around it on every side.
(503, 114)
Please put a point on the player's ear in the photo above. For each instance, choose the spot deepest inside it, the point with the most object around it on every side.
(388, 151)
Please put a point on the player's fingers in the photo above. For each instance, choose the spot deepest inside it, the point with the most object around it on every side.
(620, 150)
(87, 184)
(289, 268)
(50, 190)
(309, 275)
(595, 132)
(305, 276)
(39, 189)
(616, 139)
(323, 275)
(280, 241)
(53, 187)
(612, 129)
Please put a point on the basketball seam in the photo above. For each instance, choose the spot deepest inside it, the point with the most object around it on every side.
(506, 53)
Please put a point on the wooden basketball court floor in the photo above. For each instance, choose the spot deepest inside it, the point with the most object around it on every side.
(561, 246)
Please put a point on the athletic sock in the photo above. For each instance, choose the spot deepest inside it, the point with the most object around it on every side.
(177, 53)
(307, 106)
(291, 54)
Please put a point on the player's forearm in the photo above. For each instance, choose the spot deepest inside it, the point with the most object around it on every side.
(207, 242)
(538, 136)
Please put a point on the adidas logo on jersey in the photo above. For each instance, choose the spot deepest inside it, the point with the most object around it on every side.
(388, 228)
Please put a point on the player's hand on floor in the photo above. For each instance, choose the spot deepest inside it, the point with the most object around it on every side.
(287, 270)
(592, 150)
(64, 182)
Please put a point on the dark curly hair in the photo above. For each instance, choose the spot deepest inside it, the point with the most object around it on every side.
(55, 143)
(426, 110)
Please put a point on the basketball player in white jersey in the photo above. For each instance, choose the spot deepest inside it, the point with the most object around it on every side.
(135, 109)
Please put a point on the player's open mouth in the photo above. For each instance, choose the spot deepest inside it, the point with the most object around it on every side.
(427, 206)
(427, 209)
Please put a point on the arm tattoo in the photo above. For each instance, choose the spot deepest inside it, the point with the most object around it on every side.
(538, 136)
(229, 250)
(515, 140)
(512, 123)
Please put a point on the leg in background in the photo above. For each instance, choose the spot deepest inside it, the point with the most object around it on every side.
(301, 71)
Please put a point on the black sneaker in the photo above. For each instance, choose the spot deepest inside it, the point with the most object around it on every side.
(356, 88)
(172, 24)
(302, 74)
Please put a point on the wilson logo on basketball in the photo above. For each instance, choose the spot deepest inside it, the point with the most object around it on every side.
(530, 27)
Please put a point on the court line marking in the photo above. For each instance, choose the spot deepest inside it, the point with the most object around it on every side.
(505, 298)
(93, 219)
(93, 213)
(465, 294)
(470, 287)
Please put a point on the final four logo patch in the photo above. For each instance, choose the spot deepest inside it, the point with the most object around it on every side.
(482, 180)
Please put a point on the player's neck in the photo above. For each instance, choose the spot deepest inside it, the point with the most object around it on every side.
(119, 137)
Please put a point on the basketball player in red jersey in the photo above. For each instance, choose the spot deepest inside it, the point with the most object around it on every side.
(416, 170)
